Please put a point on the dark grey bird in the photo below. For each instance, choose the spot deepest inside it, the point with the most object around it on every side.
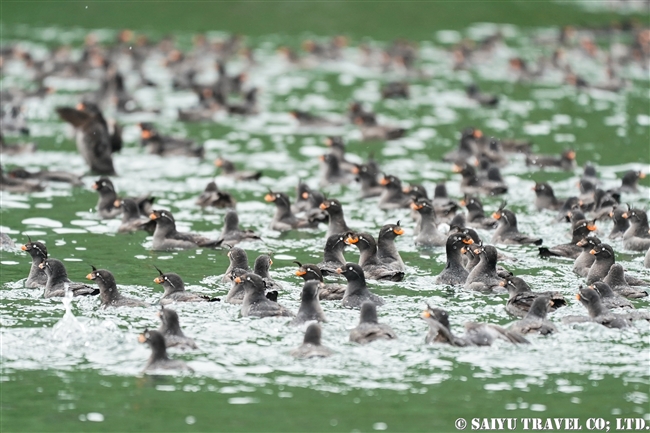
(159, 359)
(545, 197)
(535, 322)
(507, 231)
(170, 328)
(166, 237)
(109, 295)
(329, 291)
(521, 297)
(387, 250)
(620, 224)
(334, 211)
(373, 267)
(310, 308)
(231, 234)
(484, 277)
(255, 301)
(311, 346)
(637, 236)
(58, 281)
(476, 334)
(584, 261)
(615, 279)
(356, 292)
(132, 219)
(369, 329)
(38, 252)
(228, 169)
(393, 196)
(333, 254)
(213, 196)
(284, 219)
(175, 290)
(610, 299)
(598, 313)
(426, 228)
(454, 273)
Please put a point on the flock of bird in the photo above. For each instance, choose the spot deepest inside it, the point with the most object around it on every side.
(439, 220)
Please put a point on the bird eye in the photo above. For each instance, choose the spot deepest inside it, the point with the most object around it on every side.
(248, 278)
(350, 268)
(165, 278)
(277, 196)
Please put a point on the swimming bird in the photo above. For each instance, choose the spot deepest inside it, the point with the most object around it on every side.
(356, 292)
(373, 267)
(615, 279)
(484, 277)
(161, 145)
(58, 281)
(231, 234)
(566, 161)
(334, 210)
(311, 346)
(521, 297)
(132, 220)
(507, 231)
(598, 313)
(108, 292)
(213, 196)
(609, 298)
(326, 291)
(386, 250)
(475, 214)
(175, 290)
(255, 302)
(333, 254)
(38, 252)
(637, 236)
(584, 261)
(476, 334)
(166, 237)
(393, 196)
(571, 249)
(229, 169)
(310, 308)
(159, 359)
(535, 322)
(369, 329)
(170, 328)
(454, 273)
(284, 219)
(427, 231)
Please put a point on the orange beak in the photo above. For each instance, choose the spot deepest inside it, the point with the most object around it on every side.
(425, 315)
(41, 265)
(323, 205)
(218, 162)
(95, 186)
(463, 250)
(158, 280)
(463, 203)
(384, 181)
(142, 338)
(269, 197)
(145, 134)
(153, 216)
(496, 215)
(24, 247)
(270, 262)
(237, 280)
(355, 170)
(625, 215)
(398, 231)
(90, 276)
(642, 176)
(468, 241)
(328, 141)
(571, 155)
(591, 227)
(339, 270)
(456, 168)
(416, 206)
(117, 203)
(81, 106)
(305, 195)
(578, 296)
(502, 283)
(322, 157)
(592, 252)
(350, 240)
(300, 272)
(478, 133)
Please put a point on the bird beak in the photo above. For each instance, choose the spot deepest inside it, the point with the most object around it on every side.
(305, 195)
(591, 227)
(350, 240)
(502, 283)
(398, 231)
(468, 241)
(300, 272)
(578, 296)
(90, 276)
(425, 314)
(94, 186)
(24, 247)
(117, 203)
(456, 168)
(339, 270)
(218, 162)
(237, 280)
(593, 252)
(145, 134)
(625, 215)
(496, 215)
(153, 216)
(323, 206)
(142, 338)
(41, 265)
(384, 181)
(158, 280)
(269, 197)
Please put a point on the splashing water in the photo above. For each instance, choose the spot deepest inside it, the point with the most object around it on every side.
(68, 329)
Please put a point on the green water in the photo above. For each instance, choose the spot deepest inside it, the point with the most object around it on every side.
(244, 380)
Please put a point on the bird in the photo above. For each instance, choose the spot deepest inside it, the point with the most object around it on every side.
(621, 224)
(521, 297)
(238, 259)
(333, 254)
(46, 176)
(598, 313)
(507, 231)
(356, 292)
(108, 292)
(545, 197)
(629, 182)
(337, 223)
(284, 219)
(228, 169)
(38, 252)
(311, 346)
(615, 279)
(92, 136)
(310, 308)
(58, 282)
(175, 289)
(637, 236)
(261, 267)
(213, 196)
(159, 359)
(475, 214)
(326, 291)
(454, 274)
(170, 328)
(366, 175)
(393, 196)
(255, 302)
(476, 334)
(331, 171)
(483, 277)
(107, 197)
(472, 184)
(581, 230)
(373, 267)
(485, 99)
(132, 220)
(535, 322)
(584, 261)
(369, 329)
(427, 231)
(157, 144)
(166, 237)
(386, 250)
(566, 160)
(609, 298)
(231, 234)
